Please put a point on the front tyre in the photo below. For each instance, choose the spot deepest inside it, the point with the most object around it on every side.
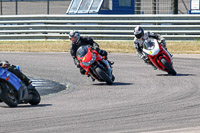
(113, 78)
(104, 76)
(8, 95)
(168, 67)
(35, 97)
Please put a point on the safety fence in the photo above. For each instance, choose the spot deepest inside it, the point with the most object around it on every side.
(100, 27)
(30, 7)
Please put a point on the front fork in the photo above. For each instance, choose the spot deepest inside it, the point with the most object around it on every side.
(169, 54)
(109, 68)
(99, 64)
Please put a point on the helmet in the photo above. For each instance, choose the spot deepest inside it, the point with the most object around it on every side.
(74, 36)
(4, 64)
(138, 32)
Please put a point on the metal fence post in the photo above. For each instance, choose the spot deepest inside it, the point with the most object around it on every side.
(16, 7)
(47, 6)
(153, 6)
(137, 6)
(1, 7)
(175, 7)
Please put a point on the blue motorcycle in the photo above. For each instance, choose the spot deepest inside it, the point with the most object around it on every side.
(13, 91)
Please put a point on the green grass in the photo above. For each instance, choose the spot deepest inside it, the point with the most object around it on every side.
(181, 47)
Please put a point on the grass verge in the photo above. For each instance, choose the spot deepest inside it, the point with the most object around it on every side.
(181, 47)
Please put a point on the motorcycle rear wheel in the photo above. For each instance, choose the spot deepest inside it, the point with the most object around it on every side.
(8, 95)
(35, 97)
(168, 67)
(104, 76)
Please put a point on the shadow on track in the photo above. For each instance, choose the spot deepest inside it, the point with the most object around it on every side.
(27, 106)
(114, 84)
(178, 74)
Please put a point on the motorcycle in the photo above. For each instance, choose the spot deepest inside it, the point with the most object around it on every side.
(159, 56)
(13, 91)
(95, 65)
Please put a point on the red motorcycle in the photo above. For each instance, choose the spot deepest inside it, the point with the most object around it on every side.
(94, 64)
(159, 56)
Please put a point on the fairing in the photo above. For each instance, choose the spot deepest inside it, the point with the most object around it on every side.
(10, 77)
(156, 53)
(91, 60)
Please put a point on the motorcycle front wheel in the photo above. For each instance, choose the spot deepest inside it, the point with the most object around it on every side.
(8, 95)
(168, 67)
(104, 76)
(113, 78)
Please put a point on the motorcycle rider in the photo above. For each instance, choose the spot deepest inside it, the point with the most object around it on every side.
(15, 70)
(140, 37)
(77, 41)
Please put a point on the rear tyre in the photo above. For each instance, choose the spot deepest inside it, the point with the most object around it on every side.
(35, 97)
(8, 95)
(104, 76)
(168, 67)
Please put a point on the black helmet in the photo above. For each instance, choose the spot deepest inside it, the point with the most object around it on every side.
(74, 36)
(138, 32)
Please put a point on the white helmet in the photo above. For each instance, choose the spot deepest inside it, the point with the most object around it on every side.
(74, 36)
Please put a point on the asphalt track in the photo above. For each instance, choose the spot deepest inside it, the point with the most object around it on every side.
(141, 99)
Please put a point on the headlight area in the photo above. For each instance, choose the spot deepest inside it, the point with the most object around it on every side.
(91, 61)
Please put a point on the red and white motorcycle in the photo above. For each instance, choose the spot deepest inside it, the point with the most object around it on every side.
(159, 56)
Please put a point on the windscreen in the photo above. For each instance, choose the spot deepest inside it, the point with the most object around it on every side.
(82, 51)
(149, 45)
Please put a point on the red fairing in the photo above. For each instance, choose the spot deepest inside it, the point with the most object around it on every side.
(156, 59)
(88, 57)
(98, 56)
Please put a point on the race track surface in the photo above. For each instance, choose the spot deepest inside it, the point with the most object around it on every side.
(140, 100)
